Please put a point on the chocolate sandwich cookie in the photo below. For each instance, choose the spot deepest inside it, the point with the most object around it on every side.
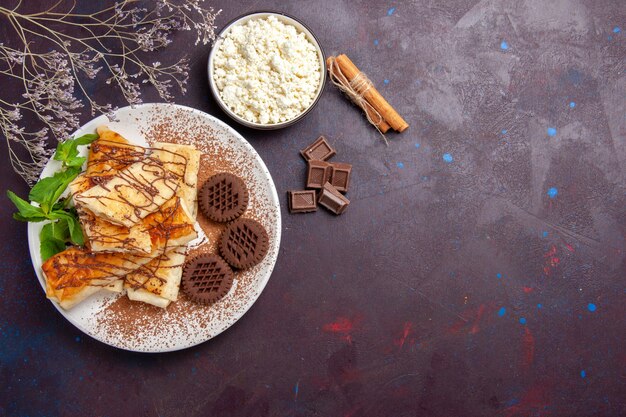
(244, 243)
(223, 197)
(207, 278)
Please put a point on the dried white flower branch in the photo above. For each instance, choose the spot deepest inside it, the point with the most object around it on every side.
(52, 82)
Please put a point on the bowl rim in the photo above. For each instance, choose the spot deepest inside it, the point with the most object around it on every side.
(236, 117)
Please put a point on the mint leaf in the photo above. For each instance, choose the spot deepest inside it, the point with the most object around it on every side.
(65, 226)
(50, 247)
(61, 204)
(76, 162)
(76, 232)
(69, 175)
(26, 211)
(67, 151)
(49, 189)
(20, 218)
(57, 230)
(53, 237)
(86, 139)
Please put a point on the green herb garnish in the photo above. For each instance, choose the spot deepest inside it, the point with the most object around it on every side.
(64, 226)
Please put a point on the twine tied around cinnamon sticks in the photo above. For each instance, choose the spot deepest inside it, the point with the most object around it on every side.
(361, 91)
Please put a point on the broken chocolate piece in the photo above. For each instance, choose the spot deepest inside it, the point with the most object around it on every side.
(340, 175)
(302, 201)
(319, 173)
(320, 150)
(332, 199)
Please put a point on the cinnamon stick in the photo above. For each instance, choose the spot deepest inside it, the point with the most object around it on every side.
(383, 126)
(373, 97)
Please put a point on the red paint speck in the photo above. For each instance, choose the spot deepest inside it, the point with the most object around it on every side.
(479, 315)
(552, 261)
(341, 325)
(528, 348)
(534, 401)
(569, 247)
(528, 290)
(406, 330)
(473, 316)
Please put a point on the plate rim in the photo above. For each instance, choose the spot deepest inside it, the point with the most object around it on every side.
(273, 193)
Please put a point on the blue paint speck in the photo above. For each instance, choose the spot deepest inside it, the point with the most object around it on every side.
(512, 402)
(296, 388)
(400, 165)
(544, 234)
(572, 104)
(194, 370)
(539, 305)
(522, 320)
(610, 37)
(390, 11)
(447, 158)
(583, 373)
(551, 131)
(77, 338)
(501, 311)
(504, 131)
(498, 275)
(553, 192)
(386, 82)
(375, 42)
(417, 146)
(591, 307)
(617, 29)
(504, 46)
(424, 178)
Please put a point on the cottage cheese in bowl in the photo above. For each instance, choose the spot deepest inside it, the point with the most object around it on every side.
(265, 71)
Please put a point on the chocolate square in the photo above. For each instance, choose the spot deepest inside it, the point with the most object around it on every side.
(340, 176)
(318, 174)
(332, 199)
(302, 201)
(320, 150)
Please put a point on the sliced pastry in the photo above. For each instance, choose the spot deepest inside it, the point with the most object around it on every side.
(131, 194)
(184, 161)
(158, 281)
(74, 274)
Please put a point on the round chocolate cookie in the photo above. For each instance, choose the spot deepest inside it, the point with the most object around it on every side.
(244, 243)
(223, 197)
(207, 278)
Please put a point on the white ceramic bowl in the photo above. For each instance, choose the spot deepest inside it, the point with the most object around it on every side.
(285, 19)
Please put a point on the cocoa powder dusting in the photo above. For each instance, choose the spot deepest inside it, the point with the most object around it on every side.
(139, 326)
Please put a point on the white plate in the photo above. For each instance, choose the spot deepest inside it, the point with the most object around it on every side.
(180, 326)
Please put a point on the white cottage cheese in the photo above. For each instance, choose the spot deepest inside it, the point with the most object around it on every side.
(266, 71)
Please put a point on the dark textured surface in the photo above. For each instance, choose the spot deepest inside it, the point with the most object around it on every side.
(462, 278)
